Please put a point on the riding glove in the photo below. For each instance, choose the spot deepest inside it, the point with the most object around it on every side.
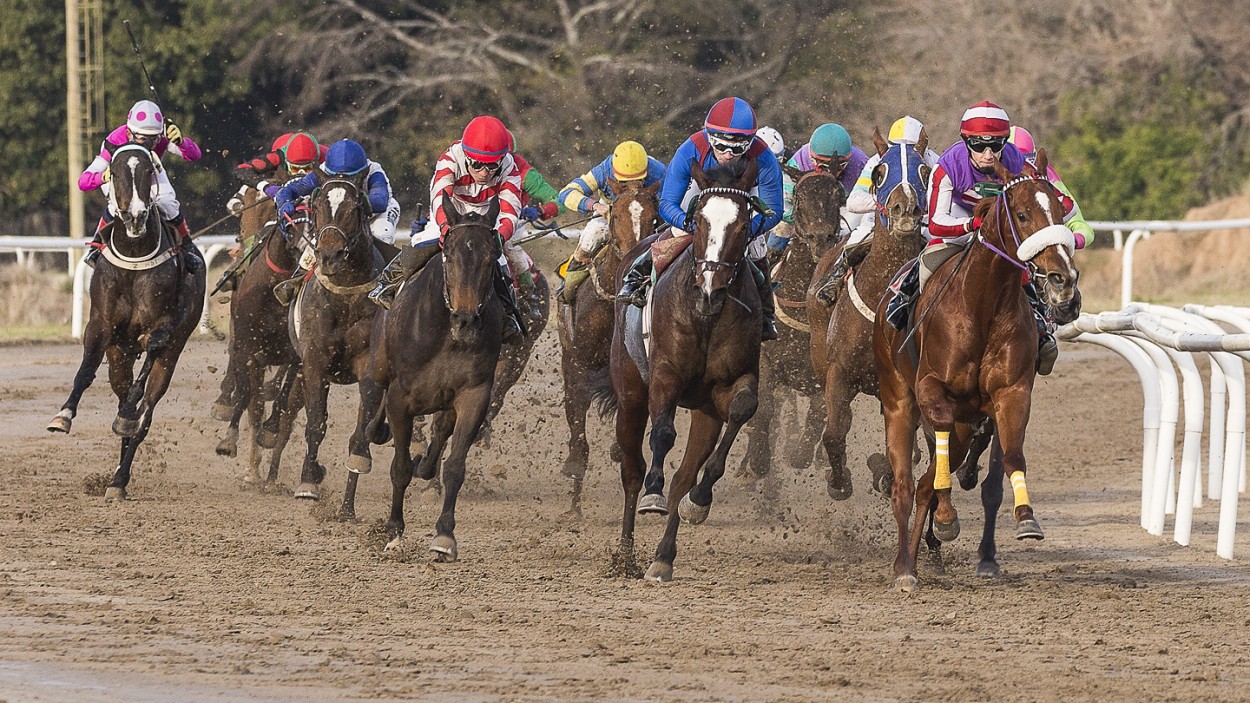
(172, 133)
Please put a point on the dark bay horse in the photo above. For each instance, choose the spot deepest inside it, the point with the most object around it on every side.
(841, 353)
(334, 320)
(785, 364)
(974, 356)
(436, 351)
(704, 355)
(586, 325)
(143, 300)
(260, 340)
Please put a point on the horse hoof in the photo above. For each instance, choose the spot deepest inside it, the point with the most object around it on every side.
(946, 531)
(308, 491)
(114, 494)
(653, 504)
(222, 412)
(125, 427)
(227, 447)
(659, 572)
(1029, 529)
(839, 493)
(987, 570)
(396, 544)
(882, 473)
(444, 548)
(251, 476)
(359, 464)
(904, 584)
(61, 423)
(691, 512)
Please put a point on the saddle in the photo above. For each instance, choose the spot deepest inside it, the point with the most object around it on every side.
(665, 250)
(910, 280)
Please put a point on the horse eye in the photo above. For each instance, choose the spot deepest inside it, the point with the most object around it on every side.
(1022, 216)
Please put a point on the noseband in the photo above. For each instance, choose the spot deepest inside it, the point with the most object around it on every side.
(1002, 203)
(443, 255)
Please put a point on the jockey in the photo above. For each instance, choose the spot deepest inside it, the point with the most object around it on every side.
(829, 149)
(905, 130)
(539, 201)
(952, 196)
(775, 143)
(1076, 221)
(728, 135)
(344, 158)
(468, 176)
(592, 193)
(146, 127)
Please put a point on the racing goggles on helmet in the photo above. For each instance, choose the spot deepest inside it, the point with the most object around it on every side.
(300, 169)
(488, 166)
(979, 143)
(732, 144)
(832, 164)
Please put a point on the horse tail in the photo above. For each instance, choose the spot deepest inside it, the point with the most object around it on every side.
(602, 393)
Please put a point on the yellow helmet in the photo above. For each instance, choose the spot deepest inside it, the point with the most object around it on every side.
(905, 130)
(629, 162)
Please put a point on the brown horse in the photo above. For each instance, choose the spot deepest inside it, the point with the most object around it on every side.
(971, 353)
(785, 365)
(842, 353)
(143, 300)
(704, 355)
(586, 325)
(334, 320)
(436, 351)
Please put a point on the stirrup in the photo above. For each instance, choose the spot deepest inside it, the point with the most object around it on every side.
(91, 257)
(511, 328)
(769, 331)
(285, 291)
(1047, 355)
(383, 295)
(634, 294)
(830, 291)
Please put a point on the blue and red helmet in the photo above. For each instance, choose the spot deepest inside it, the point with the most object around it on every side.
(731, 116)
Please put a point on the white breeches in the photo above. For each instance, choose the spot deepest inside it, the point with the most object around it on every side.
(382, 227)
(594, 236)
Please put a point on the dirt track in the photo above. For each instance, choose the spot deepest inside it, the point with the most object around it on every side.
(201, 590)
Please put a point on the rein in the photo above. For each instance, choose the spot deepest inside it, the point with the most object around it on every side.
(443, 255)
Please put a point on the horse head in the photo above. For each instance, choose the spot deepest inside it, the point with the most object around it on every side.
(722, 222)
(634, 214)
(818, 200)
(471, 249)
(339, 219)
(1034, 237)
(899, 183)
(132, 173)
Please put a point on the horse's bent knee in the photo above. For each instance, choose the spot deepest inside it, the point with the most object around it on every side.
(743, 406)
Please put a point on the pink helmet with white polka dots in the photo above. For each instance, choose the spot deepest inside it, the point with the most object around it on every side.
(145, 118)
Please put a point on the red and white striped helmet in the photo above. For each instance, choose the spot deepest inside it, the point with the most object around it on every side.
(985, 119)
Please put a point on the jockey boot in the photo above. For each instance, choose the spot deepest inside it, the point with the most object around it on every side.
(406, 264)
(898, 309)
(768, 306)
(513, 325)
(527, 294)
(287, 290)
(96, 245)
(634, 287)
(227, 283)
(851, 256)
(192, 257)
(575, 274)
(1047, 346)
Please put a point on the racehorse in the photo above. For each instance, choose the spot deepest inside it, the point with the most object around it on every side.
(436, 351)
(586, 325)
(841, 353)
(704, 355)
(971, 353)
(785, 365)
(333, 320)
(143, 300)
(260, 339)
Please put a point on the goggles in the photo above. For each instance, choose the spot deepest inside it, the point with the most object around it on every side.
(733, 144)
(488, 166)
(979, 144)
(831, 163)
(299, 169)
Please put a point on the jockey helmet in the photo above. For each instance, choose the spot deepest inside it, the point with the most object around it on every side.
(485, 139)
(773, 139)
(345, 158)
(280, 143)
(830, 141)
(145, 118)
(985, 119)
(1023, 141)
(302, 152)
(629, 162)
(905, 130)
(730, 116)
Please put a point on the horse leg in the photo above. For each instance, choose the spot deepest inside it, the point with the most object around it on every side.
(129, 415)
(758, 459)
(939, 414)
(980, 440)
(738, 404)
(157, 373)
(444, 424)
(290, 408)
(467, 414)
(401, 467)
(223, 407)
(229, 445)
(576, 405)
(1011, 418)
(631, 426)
(272, 425)
(800, 455)
(359, 459)
(663, 435)
(255, 416)
(316, 392)
(96, 339)
(900, 437)
(838, 397)
(705, 427)
(991, 501)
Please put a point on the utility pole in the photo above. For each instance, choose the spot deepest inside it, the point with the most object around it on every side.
(84, 98)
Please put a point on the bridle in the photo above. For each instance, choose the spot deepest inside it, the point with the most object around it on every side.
(905, 179)
(705, 265)
(632, 196)
(125, 215)
(841, 194)
(348, 238)
(1001, 203)
(443, 256)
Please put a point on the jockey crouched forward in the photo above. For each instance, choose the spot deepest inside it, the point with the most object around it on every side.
(345, 158)
(468, 176)
(728, 135)
(147, 127)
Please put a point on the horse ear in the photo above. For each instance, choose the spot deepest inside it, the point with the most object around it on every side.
(1003, 173)
(878, 175)
(697, 175)
(450, 213)
(654, 187)
(615, 186)
(879, 142)
(922, 144)
(492, 214)
(1041, 162)
(983, 207)
(749, 175)
(794, 173)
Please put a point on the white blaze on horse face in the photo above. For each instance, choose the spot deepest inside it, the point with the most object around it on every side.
(1044, 200)
(336, 196)
(635, 216)
(720, 213)
(137, 204)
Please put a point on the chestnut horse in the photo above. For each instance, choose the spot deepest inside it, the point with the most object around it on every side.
(704, 355)
(971, 353)
(841, 353)
(143, 300)
(586, 325)
(436, 351)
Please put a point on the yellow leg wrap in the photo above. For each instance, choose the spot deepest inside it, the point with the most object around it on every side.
(1018, 487)
(942, 469)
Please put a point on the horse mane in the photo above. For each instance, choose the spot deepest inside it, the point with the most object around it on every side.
(727, 174)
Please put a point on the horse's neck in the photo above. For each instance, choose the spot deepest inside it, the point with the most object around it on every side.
(891, 249)
(278, 250)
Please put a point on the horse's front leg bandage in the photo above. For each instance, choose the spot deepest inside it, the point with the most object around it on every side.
(942, 463)
(1019, 489)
